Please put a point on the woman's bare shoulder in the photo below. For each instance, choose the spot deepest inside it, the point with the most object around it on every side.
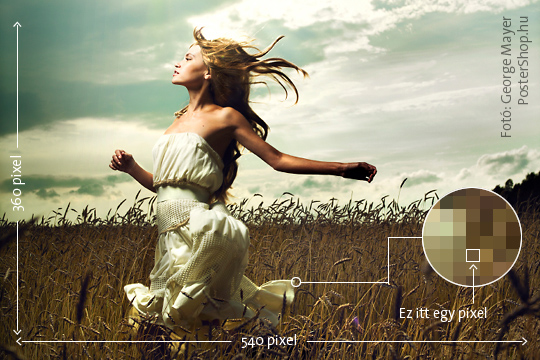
(232, 117)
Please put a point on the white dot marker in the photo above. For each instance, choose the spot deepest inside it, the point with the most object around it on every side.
(296, 280)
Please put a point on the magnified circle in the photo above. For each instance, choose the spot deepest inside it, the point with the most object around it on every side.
(472, 237)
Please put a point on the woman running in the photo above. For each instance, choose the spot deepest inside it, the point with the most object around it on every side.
(202, 251)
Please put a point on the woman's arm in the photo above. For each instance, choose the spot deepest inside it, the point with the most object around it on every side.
(245, 135)
(125, 162)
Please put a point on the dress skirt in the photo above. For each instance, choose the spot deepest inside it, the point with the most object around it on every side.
(198, 275)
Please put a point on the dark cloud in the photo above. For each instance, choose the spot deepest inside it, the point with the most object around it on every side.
(46, 194)
(387, 4)
(65, 100)
(47, 186)
(59, 26)
(508, 163)
(90, 189)
(30, 114)
(58, 39)
(310, 186)
(422, 179)
(310, 183)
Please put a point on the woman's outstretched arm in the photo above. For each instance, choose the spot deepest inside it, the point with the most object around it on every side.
(244, 134)
(122, 161)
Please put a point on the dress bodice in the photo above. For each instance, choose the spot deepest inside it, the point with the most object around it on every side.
(186, 158)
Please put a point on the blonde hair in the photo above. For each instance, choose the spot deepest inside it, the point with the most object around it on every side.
(233, 71)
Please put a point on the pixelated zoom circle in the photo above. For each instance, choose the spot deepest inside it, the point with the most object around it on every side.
(472, 237)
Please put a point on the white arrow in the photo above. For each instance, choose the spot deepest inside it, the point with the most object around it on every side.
(473, 267)
(123, 341)
(18, 331)
(523, 342)
(17, 25)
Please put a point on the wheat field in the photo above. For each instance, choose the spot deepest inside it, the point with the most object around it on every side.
(72, 273)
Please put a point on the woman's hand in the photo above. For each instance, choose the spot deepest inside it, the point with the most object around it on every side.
(122, 161)
(360, 171)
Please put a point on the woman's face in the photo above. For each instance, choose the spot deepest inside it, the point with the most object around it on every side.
(191, 71)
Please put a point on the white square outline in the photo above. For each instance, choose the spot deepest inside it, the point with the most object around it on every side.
(467, 255)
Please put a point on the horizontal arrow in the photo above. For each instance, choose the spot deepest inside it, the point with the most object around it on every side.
(125, 341)
(19, 339)
(523, 342)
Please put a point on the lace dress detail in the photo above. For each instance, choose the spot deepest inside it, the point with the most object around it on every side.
(202, 251)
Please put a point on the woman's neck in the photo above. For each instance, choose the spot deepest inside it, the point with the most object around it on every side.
(199, 99)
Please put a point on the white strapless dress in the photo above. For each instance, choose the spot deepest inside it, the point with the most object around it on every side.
(202, 251)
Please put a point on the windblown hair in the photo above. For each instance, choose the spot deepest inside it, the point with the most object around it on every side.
(233, 70)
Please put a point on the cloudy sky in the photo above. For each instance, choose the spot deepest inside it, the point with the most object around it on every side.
(411, 86)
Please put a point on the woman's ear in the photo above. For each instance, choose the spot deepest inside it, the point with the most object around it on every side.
(207, 75)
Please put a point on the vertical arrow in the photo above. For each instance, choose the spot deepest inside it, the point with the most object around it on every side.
(473, 267)
(18, 331)
(17, 25)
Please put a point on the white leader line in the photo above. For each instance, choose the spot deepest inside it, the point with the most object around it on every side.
(360, 282)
